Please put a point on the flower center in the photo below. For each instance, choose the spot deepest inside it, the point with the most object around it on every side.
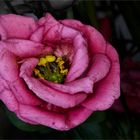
(52, 68)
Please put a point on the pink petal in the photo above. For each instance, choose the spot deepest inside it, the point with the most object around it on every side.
(11, 103)
(48, 22)
(28, 66)
(100, 66)
(95, 40)
(80, 85)
(80, 59)
(108, 89)
(99, 62)
(8, 66)
(9, 72)
(26, 120)
(22, 94)
(57, 32)
(9, 100)
(3, 34)
(77, 116)
(47, 118)
(54, 120)
(17, 26)
(24, 48)
(64, 50)
(75, 24)
(37, 36)
(46, 93)
(3, 84)
(52, 96)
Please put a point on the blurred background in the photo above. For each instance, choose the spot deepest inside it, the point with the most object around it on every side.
(119, 23)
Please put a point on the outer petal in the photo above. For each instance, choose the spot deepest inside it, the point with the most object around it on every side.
(77, 116)
(24, 48)
(95, 40)
(80, 60)
(57, 98)
(17, 26)
(37, 36)
(50, 119)
(108, 89)
(48, 21)
(3, 84)
(9, 100)
(80, 85)
(9, 72)
(100, 66)
(25, 120)
(46, 93)
(2, 33)
(8, 66)
(72, 23)
(22, 94)
(54, 120)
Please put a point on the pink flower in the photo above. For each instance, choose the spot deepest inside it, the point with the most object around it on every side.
(130, 86)
(91, 84)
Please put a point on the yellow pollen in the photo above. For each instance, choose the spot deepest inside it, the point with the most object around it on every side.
(59, 59)
(51, 68)
(61, 62)
(42, 62)
(48, 58)
(37, 73)
(64, 72)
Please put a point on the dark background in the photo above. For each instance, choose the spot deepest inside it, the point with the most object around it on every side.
(119, 22)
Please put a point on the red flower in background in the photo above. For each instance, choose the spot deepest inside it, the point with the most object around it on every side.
(130, 86)
(46, 47)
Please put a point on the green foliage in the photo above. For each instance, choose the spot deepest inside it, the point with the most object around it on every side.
(24, 126)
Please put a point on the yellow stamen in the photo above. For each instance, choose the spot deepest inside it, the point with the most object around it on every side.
(51, 68)
(64, 72)
(37, 73)
(42, 62)
(48, 58)
(61, 62)
(40, 76)
(59, 59)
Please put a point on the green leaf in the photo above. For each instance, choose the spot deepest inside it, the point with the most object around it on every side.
(90, 131)
(97, 117)
(24, 126)
(92, 128)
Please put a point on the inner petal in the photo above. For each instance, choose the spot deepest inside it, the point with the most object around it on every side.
(66, 40)
(46, 93)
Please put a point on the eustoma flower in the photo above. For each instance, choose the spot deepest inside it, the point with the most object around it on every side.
(55, 73)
